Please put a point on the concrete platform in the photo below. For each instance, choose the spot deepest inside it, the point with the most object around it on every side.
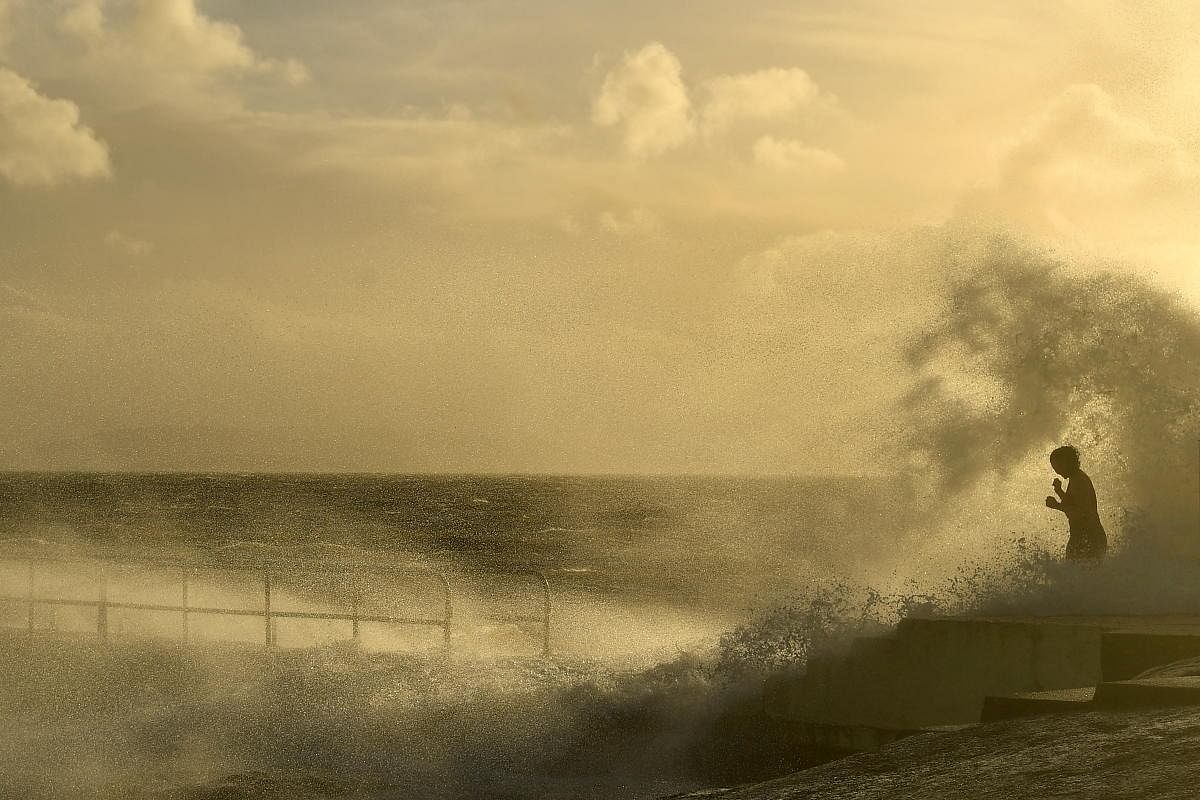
(1033, 704)
(934, 672)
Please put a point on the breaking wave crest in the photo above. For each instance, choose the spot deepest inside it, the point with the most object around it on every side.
(1030, 351)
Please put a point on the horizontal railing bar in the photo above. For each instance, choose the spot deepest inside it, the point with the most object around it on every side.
(50, 601)
(240, 612)
(351, 617)
(273, 565)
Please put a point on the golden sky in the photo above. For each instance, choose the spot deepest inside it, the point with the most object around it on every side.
(534, 236)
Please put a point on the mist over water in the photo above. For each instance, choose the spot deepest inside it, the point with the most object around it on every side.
(1028, 350)
(1024, 351)
(645, 575)
(673, 596)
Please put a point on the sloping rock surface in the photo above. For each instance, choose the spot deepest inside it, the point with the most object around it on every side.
(1147, 756)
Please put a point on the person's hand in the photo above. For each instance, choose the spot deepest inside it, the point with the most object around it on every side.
(1058, 484)
(1051, 502)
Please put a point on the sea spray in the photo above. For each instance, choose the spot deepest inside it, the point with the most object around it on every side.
(1022, 579)
(1031, 351)
(148, 719)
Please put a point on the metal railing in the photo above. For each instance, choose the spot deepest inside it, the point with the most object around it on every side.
(270, 614)
(542, 620)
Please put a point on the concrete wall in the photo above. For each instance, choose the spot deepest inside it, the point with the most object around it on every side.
(937, 672)
(1127, 654)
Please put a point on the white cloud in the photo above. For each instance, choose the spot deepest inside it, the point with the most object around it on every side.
(647, 95)
(845, 282)
(42, 142)
(792, 155)
(764, 95)
(636, 221)
(1084, 174)
(168, 50)
(129, 245)
(1081, 139)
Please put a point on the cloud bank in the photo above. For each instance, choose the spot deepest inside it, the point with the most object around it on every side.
(764, 95)
(645, 95)
(632, 244)
(168, 51)
(42, 142)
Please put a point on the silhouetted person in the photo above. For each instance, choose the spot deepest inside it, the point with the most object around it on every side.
(1078, 502)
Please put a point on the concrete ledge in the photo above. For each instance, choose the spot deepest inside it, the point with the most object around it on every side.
(1148, 693)
(1033, 704)
(941, 671)
(938, 672)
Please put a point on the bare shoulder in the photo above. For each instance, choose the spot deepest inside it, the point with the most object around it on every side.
(1081, 483)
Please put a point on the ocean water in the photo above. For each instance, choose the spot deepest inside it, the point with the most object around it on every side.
(658, 584)
(645, 573)
(712, 544)
(649, 576)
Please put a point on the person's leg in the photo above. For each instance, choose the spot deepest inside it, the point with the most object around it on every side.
(1088, 549)
(1075, 549)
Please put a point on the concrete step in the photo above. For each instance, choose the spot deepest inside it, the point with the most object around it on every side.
(1033, 704)
(941, 671)
(1148, 693)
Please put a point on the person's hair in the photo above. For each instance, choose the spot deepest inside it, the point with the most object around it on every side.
(1067, 455)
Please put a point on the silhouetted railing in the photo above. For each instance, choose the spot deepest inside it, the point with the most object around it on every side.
(269, 614)
(542, 620)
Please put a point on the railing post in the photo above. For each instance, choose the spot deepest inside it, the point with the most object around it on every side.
(449, 604)
(31, 595)
(102, 609)
(546, 609)
(186, 632)
(270, 639)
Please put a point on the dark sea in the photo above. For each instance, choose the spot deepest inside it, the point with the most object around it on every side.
(690, 541)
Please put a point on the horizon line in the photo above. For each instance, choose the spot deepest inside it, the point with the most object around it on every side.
(438, 473)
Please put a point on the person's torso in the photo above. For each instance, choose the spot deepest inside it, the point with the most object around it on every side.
(1080, 503)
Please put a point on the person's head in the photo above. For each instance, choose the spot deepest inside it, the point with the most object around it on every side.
(1065, 460)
